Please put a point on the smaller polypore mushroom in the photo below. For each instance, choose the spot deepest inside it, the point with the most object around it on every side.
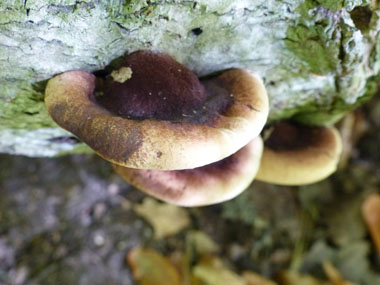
(210, 184)
(297, 155)
(155, 113)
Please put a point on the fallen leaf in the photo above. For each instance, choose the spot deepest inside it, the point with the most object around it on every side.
(151, 268)
(294, 278)
(201, 242)
(166, 219)
(255, 279)
(371, 216)
(181, 262)
(212, 271)
(334, 275)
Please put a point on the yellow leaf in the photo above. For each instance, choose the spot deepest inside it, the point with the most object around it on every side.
(255, 279)
(295, 278)
(151, 268)
(212, 272)
(201, 242)
(166, 219)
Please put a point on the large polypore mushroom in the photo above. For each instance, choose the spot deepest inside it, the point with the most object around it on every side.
(182, 140)
(210, 184)
(297, 155)
(155, 114)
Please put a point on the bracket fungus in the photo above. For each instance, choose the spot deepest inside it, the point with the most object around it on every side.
(186, 141)
(298, 155)
(210, 184)
(162, 117)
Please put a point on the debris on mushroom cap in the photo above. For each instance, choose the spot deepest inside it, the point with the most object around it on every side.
(210, 184)
(298, 155)
(159, 88)
(121, 75)
(232, 114)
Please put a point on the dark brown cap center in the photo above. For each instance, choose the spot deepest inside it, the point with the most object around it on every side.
(289, 136)
(152, 85)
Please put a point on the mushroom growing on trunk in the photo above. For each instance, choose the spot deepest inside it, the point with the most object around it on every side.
(162, 117)
(186, 141)
(297, 155)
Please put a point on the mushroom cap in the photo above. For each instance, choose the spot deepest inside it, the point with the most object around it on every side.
(209, 184)
(298, 155)
(158, 87)
(149, 143)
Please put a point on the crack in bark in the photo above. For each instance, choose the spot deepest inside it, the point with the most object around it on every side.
(341, 56)
(122, 28)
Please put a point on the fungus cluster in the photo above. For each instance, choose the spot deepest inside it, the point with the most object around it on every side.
(183, 140)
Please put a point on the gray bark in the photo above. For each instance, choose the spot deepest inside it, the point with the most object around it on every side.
(318, 58)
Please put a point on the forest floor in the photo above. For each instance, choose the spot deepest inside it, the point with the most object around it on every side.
(72, 220)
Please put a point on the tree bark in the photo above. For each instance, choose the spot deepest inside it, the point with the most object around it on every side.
(318, 58)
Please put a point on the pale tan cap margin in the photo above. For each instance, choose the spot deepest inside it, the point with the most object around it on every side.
(302, 166)
(154, 144)
(210, 184)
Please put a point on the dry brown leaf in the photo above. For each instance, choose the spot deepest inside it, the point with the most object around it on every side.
(371, 216)
(151, 268)
(166, 219)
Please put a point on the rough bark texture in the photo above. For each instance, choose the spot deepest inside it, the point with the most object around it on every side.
(317, 58)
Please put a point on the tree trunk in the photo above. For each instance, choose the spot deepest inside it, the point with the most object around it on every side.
(318, 58)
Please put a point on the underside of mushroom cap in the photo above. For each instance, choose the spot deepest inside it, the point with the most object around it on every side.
(208, 135)
(210, 184)
(298, 155)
